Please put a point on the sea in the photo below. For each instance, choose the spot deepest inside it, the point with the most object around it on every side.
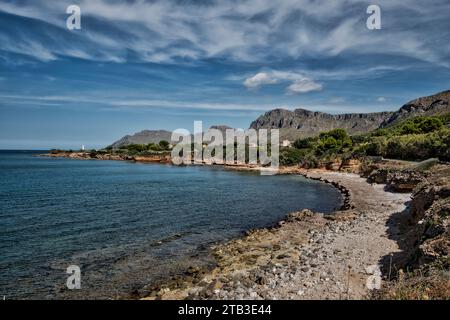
(127, 225)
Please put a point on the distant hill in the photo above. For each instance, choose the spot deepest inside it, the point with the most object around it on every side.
(143, 137)
(303, 123)
(155, 136)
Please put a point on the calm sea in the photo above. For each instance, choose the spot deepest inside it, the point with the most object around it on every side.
(127, 224)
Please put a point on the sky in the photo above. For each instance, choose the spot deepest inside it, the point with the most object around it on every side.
(138, 65)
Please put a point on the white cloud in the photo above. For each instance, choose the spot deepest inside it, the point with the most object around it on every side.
(258, 80)
(299, 83)
(304, 86)
(381, 99)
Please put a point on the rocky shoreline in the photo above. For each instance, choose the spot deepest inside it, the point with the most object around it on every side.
(83, 155)
(306, 256)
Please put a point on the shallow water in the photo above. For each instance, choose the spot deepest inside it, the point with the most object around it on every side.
(127, 224)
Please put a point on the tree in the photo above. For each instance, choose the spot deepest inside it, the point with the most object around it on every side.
(164, 144)
(329, 143)
(306, 143)
(152, 146)
(337, 134)
(291, 156)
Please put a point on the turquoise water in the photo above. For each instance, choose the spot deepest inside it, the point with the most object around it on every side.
(127, 224)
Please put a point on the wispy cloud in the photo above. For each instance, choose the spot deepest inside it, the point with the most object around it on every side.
(304, 86)
(166, 31)
(111, 104)
(136, 103)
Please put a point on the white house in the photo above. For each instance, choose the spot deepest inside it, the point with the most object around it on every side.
(286, 143)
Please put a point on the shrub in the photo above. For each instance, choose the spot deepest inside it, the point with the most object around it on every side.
(291, 156)
(338, 134)
(376, 147)
(328, 143)
(419, 125)
(334, 140)
(306, 143)
(420, 146)
(164, 144)
(153, 147)
(136, 147)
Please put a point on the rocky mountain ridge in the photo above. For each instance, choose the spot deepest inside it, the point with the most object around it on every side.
(303, 123)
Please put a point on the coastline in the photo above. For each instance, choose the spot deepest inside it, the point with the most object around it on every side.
(307, 255)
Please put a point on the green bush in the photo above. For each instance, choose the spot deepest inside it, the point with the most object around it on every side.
(420, 146)
(328, 143)
(337, 134)
(416, 139)
(306, 143)
(377, 146)
(446, 118)
(154, 147)
(417, 125)
(334, 140)
(164, 144)
(291, 156)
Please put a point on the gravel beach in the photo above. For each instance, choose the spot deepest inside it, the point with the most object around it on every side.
(308, 255)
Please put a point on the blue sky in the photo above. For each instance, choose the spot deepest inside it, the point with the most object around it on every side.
(138, 65)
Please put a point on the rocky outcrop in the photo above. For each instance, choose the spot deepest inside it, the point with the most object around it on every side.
(398, 176)
(350, 165)
(430, 214)
(404, 180)
(302, 123)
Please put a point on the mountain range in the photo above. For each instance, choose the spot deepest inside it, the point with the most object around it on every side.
(301, 123)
